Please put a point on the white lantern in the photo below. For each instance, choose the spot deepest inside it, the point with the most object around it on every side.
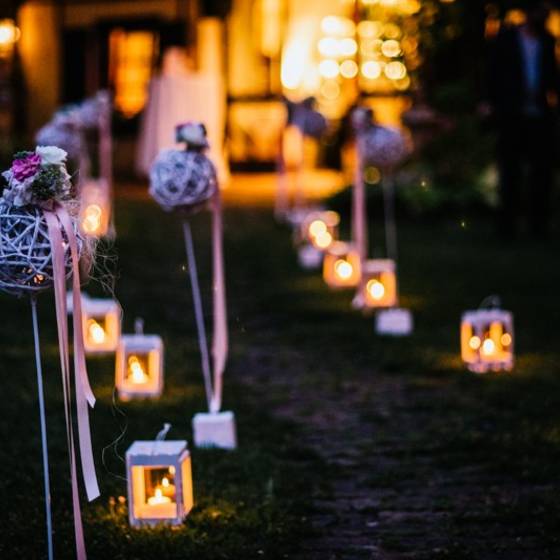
(487, 340)
(309, 257)
(342, 266)
(139, 366)
(378, 285)
(160, 488)
(101, 324)
(95, 208)
(394, 322)
(215, 429)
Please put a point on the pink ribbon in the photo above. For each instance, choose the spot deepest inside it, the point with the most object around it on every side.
(57, 221)
(359, 218)
(220, 334)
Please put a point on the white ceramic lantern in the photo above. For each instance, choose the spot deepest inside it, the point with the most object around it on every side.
(139, 366)
(215, 429)
(320, 229)
(378, 285)
(160, 488)
(487, 340)
(101, 324)
(342, 266)
(95, 208)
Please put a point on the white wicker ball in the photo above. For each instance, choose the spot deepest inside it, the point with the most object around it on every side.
(383, 146)
(182, 179)
(26, 265)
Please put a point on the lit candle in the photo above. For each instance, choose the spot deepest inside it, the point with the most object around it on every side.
(343, 269)
(135, 371)
(322, 240)
(376, 289)
(96, 332)
(168, 489)
(92, 218)
(158, 498)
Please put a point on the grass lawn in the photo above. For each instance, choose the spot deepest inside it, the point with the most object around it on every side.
(429, 419)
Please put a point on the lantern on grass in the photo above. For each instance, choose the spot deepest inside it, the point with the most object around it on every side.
(378, 286)
(160, 488)
(342, 266)
(487, 339)
(95, 208)
(139, 365)
(320, 229)
(101, 324)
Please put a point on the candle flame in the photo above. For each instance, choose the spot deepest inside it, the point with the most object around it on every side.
(136, 371)
(96, 332)
(343, 269)
(376, 289)
(92, 218)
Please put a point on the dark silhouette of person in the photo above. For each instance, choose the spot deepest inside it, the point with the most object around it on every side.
(523, 88)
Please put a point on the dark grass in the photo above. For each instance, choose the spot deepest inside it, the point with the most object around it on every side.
(256, 502)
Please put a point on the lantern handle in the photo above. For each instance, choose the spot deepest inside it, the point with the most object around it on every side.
(139, 326)
(491, 302)
(163, 432)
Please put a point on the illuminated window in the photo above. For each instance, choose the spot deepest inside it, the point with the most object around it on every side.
(131, 63)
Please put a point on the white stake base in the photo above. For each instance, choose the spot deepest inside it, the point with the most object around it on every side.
(215, 430)
(310, 258)
(394, 322)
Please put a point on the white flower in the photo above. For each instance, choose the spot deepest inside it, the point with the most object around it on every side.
(51, 155)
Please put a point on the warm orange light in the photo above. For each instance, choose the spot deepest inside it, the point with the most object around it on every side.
(96, 332)
(395, 70)
(323, 240)
(371, 69)
(9, 33)
(391, 48)
(329, 68)
(349, 69)
(91, 222)
(317, 227)
(474, 342)
(488, 347)
(376, 289)
(158, 498)
(136, 372)
(506, 339)
(343, 269)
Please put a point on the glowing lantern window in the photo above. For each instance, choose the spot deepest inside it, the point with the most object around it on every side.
(341, 266)
(159, 482)
(487, 340)
(95, 208)
(102, 325)
(320, 229)
(378, 287)
(139, 366)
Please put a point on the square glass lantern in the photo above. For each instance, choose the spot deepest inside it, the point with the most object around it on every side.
(342, 266)
(487, 340)
(320, 229)
(378, 286)
(101, 324)
(139, 366)
(160, 488)
(95, 208)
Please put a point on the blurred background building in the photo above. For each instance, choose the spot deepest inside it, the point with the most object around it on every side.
(387, 52)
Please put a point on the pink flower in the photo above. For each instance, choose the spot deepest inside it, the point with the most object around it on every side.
(26, 167)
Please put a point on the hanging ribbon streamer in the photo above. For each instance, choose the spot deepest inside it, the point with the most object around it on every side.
(220, 338)
(213, 384)
(58, 221)
(105, 158)
(43, 419)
